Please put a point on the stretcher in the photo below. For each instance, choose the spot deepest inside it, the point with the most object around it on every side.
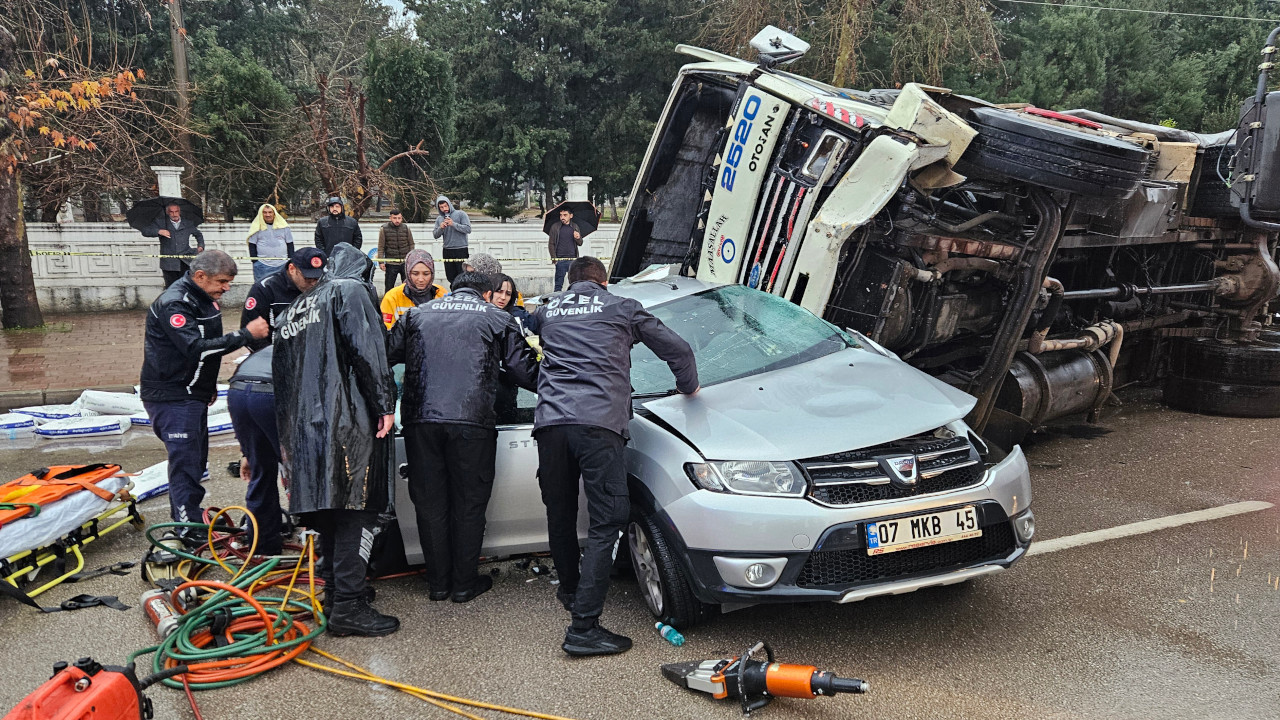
(49, 515)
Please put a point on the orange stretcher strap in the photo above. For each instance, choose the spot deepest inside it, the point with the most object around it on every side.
(47, 485)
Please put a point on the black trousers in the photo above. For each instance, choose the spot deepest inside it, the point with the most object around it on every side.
(346, 540)
(173, 276)
(565, 453)
(452, 269)
(395, 275)
(451, 471)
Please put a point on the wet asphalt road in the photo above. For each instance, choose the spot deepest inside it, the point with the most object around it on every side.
(1178, 623)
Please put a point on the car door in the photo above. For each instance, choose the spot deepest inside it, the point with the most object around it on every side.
(516, 521)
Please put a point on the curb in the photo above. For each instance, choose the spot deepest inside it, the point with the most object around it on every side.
(23, 398)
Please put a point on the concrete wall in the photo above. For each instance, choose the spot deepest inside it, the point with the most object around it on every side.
(122, 280)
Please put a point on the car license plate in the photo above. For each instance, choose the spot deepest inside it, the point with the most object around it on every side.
(917, 531)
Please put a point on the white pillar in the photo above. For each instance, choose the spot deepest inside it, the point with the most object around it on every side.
(576, 187)
(169, 179)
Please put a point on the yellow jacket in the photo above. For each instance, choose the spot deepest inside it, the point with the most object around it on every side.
(396, 303)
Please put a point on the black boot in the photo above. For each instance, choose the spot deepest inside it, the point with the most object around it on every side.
(357, 617)
(594, 640)
(481, 585)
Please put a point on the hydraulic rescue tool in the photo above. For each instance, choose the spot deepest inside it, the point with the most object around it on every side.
(757, 682)
(88, 690)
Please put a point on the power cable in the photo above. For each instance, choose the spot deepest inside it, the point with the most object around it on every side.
(1144, 12)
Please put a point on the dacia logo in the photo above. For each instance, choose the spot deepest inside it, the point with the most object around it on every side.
(902, 470)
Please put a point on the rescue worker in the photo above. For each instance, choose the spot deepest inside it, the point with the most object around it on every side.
(452, 349)
(337, 227)
(181, 357)
(580, 424)
(270, 296)
(335, 401)
(251, 402)
(419, 287)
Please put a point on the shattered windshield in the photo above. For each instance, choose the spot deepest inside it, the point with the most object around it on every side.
(735, 332)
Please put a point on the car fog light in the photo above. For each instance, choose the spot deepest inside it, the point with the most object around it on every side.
(750, 573)
(1025, 526)
(755, 573)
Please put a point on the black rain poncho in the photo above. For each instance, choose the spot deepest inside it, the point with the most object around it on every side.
(332, 383)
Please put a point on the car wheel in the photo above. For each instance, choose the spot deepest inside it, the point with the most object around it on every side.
(1210, 397)
(1228, 361)
(662, 582)
(1010, 145)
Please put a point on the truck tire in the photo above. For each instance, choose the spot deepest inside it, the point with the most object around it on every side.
(1208, 397)
(1009, 145)
(1228, 361)
(663, 585)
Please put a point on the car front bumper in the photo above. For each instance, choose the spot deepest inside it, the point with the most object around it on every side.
(819, 553)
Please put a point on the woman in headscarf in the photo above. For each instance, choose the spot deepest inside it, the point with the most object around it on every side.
(270, 242)
(418, 288)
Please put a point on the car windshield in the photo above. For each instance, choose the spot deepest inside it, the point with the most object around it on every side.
(735, 332)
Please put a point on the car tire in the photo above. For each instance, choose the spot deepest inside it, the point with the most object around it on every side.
(1009, 145)
(663, 585)
(1210, 397)
(1228, 361)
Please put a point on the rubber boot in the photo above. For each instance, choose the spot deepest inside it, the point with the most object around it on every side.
(357, 617)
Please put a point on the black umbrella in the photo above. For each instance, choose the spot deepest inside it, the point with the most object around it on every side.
(144, 213)
(584, 214)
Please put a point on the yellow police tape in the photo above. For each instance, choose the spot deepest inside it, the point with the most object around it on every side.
(397, 261)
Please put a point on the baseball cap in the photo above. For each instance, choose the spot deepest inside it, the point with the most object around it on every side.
(309, 261)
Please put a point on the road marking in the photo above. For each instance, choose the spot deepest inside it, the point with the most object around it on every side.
(1146, 526)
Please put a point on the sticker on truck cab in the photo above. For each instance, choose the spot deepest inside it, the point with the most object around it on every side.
(753, 132)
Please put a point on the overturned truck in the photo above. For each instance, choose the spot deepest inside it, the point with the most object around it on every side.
(1036, 259)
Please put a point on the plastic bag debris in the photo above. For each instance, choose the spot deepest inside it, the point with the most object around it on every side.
(85, 426)
(110, 403)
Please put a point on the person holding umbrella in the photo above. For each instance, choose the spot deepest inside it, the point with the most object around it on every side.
(175, 221)
(564, 236)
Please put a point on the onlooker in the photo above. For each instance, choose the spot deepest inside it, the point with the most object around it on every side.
(270, 296)
(563, 241)
(580, 424)
(395, 240)
(452, 349)
(175, 233)
(252, 404)
(418, 288)
(270, 242)
(337, 227)
(181, 356)
(334, 402)
(454, 226)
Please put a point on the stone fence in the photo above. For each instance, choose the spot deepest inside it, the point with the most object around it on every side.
(112, 275)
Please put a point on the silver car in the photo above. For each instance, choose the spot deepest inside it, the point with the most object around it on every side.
(813, 465)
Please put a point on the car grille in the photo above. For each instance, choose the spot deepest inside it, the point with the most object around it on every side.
(855, 566)
(854, 477)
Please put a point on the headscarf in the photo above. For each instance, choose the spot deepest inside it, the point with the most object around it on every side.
(259, 224)
(415, 256)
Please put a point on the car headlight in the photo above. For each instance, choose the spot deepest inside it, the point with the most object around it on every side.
(748, 477)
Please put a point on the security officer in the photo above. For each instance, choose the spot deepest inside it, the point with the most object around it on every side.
(337, 227)
(252, 404)
(580, 424)
(452, 348)
(181, 356)
(270, 296)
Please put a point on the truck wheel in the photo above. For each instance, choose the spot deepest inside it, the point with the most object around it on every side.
(662, 582)
(1228, 361)
(1009, 145)
(1209, 397)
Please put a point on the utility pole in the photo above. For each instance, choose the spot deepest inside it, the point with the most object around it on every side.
(178, 37)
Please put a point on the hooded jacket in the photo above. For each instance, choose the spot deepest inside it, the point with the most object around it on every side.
(184, 345)
(332, 383)
(330, 231)
(455, 236)
(452, 349)
(587, 334)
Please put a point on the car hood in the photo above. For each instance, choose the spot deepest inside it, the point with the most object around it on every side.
(844, 401)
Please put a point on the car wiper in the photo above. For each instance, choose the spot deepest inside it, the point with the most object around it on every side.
(652, 395)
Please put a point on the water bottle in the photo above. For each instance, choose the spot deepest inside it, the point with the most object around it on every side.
(669, 633)
(156, 604)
